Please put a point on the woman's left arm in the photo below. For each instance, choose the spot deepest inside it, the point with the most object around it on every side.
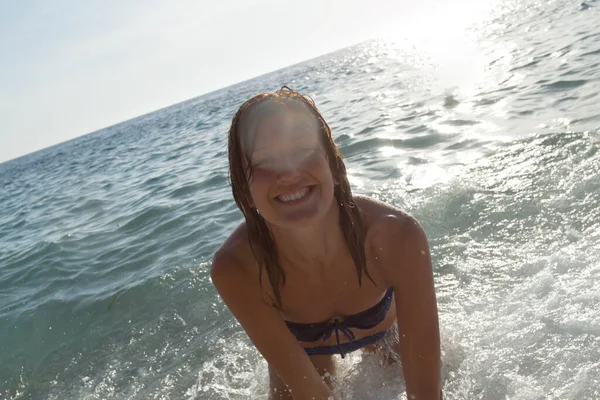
(404, 255)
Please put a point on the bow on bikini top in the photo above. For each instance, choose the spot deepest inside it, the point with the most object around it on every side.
(367, 319)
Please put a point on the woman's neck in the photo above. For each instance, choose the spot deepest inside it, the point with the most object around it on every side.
(312, 245)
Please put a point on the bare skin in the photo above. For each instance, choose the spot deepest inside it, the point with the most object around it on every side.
(321, 279)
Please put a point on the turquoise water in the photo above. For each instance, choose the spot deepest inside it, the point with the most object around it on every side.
(491, 140)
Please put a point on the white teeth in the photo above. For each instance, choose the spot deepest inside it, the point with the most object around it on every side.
(294, 196)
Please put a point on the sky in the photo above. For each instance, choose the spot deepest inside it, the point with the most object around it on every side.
(68, 68)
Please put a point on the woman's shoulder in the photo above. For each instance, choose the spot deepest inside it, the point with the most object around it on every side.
(383, 221)
(396, 241)
(374, 210)
(234, 271)
(234, 255)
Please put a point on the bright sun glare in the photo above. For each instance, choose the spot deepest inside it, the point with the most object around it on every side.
(443, 37)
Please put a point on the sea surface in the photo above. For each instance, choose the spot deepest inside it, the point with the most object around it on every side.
(486, 128)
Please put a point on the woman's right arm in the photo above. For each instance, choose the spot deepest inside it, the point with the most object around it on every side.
(243, 295)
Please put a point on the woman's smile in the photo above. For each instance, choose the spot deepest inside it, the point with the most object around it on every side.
(296, 196)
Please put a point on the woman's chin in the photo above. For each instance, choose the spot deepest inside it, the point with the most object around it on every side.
(313, 213)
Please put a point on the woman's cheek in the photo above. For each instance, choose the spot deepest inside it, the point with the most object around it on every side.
(318, 164)
(261, 179)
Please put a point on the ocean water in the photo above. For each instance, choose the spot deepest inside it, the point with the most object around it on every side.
(487, 130)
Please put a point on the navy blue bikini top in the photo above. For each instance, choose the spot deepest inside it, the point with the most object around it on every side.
(367, 319)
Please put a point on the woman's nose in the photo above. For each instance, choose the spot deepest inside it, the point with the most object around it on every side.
(287, 171)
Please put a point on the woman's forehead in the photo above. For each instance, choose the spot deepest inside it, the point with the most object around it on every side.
(279, 125)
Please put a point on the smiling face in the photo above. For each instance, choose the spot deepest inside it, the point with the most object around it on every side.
(290, 180)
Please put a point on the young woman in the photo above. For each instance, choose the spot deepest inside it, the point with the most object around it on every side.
(314, 271)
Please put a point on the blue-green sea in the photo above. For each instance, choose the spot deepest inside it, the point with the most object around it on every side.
(487, 129)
